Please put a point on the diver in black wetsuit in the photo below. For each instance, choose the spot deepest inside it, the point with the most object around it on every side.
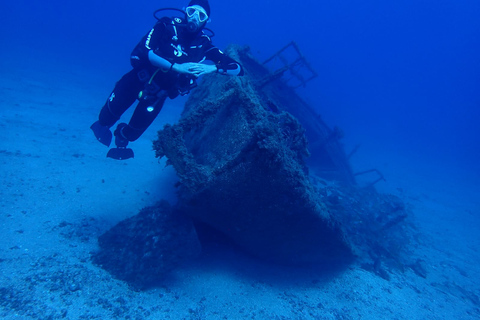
(165, 63)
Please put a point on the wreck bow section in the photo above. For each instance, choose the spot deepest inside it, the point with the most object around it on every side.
(240, 159)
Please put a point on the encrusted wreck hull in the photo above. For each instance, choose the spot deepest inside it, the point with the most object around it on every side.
(242, 171)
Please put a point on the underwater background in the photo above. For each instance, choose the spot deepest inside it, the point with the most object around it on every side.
(401, 79)
(397, 77)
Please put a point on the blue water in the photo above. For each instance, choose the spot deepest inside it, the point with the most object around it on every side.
(401, 78)
(405, 72)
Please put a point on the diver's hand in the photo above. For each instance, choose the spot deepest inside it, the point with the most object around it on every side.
(193, 68)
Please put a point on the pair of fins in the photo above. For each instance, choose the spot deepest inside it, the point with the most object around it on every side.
(104, 136)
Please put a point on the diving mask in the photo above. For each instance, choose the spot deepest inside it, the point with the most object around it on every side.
(197, 10)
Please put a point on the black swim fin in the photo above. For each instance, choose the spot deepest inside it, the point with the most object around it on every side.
(102, 133)
(120, 153)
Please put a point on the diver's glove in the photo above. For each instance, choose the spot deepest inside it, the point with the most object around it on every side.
(193, 69)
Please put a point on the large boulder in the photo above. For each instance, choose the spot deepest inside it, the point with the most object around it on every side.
(145, 247)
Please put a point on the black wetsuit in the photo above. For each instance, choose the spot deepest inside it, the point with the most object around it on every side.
(170, 40)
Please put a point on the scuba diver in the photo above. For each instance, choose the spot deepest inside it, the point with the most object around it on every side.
(166, 63)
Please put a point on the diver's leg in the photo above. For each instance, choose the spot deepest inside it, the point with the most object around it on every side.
(142, 118)
(122, 97)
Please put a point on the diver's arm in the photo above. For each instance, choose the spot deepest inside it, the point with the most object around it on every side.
(224, 64)
(158, 61)
(192, 68)
(231, 69)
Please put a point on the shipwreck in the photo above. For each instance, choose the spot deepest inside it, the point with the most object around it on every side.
(256, 163)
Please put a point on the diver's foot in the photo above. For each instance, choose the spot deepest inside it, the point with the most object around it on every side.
(120, 153)
(120, 140)
(102, 133)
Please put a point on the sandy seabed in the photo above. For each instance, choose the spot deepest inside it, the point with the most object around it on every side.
(59, 192)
